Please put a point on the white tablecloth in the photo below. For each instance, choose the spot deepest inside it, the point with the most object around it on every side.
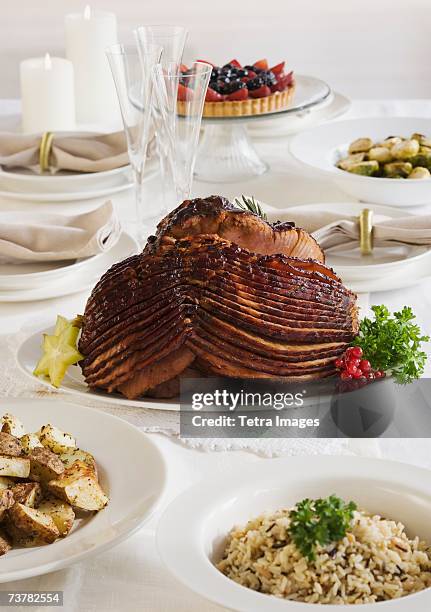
(130, 577)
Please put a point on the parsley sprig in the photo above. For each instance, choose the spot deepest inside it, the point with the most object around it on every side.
(319, 521)
(393, 343)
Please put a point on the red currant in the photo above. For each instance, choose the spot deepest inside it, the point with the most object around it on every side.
(365, 365)
(351, 369)
(356, 351)
(355, 362)
(345, 376)
(379, 374)
(339, 363)
(370, 375)
(358, 374)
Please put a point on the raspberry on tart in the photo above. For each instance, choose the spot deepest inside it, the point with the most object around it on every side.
(252, 89)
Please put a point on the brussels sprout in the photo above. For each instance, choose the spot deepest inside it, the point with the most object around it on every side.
(380, 154)
(424, 141)
(360, 145)
(344, 164)
(419, 173)
(397, 169)
(422, 159)
(405, 149)
(365, 168)
(391, 141)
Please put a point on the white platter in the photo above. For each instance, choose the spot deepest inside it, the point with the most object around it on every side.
(285, 125)
(320, 148)
(29, 352)
(133, 473)
(75, 278)
(351, 265)
(207, 512)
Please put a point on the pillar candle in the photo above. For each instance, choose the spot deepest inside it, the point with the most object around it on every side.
(47, 92)
(88, 34)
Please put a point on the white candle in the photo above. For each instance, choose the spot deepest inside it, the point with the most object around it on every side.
(88, 34)
(47, 92)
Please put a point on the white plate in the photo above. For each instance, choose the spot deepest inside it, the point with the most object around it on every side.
(192, 531)
(77, 279)
(351, 265)
(319, 148)
(29, 353)
(25, 181)
(99, 188)
(285, 125)
(133, 473)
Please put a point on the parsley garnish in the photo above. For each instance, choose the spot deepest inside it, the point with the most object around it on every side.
(392, 343)
(319, 521)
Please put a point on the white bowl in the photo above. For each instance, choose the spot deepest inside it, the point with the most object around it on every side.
(321, 147)
(192, 531)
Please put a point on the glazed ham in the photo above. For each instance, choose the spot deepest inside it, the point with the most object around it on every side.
(210, 293)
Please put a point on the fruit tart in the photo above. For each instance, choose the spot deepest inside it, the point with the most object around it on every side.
(235, 90)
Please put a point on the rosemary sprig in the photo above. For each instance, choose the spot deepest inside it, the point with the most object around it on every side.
(250, 205)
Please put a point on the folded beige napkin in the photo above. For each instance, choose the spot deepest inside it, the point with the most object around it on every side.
(80, 152)
(339, 232)
(32, 237)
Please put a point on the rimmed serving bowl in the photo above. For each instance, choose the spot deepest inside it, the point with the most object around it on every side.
(321, 147)
(192, 532)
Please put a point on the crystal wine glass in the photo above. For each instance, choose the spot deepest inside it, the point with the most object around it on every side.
(178, 104)
(132, 72)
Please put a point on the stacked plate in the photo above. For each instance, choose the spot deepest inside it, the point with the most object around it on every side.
(43, 280)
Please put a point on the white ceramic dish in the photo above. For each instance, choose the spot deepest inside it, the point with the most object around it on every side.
(28, 354)
(23, 180)
(65, 281)
(192, 531)
(320, 148)
(283, 126)
(351, 265)
(133, 472)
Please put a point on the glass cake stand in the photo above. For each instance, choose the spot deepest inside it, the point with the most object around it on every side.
(226, 152)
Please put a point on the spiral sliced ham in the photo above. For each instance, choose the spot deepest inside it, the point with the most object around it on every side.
(220, 291)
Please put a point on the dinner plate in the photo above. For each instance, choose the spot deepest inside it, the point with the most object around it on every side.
(335, 106)
(99, 187)
(28, 354)
(321, 147)
(24, 180)
(75, 278)
(191, 534)
(350, 264)
(132, 471)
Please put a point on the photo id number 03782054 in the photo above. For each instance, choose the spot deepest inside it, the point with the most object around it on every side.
(31, 598)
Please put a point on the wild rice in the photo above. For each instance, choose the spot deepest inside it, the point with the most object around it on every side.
(375, 561)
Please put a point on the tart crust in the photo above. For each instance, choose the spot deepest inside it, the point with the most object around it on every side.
(243, 108)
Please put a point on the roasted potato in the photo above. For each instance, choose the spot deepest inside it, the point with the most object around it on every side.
(10, 445)
(44, 465)
(61, 513)
(56, 440)
(6, 483)
(12, 425)
(78, 486)
(6, 501)
(30, 526)
(29, 442)
(16, 467)
(27, 493)
(5, 544)
(79, 455)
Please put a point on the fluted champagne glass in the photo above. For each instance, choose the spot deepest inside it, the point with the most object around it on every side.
(172, 39)
(132, 73)
(178, 103)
